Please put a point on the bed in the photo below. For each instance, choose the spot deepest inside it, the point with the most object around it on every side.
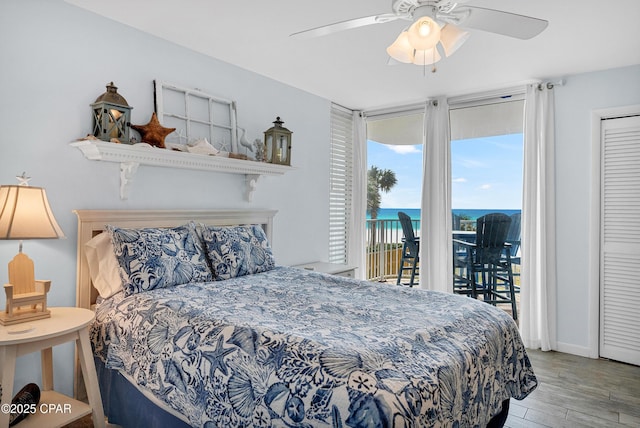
(286, 347)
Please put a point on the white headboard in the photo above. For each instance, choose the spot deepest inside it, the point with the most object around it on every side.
(92, 222)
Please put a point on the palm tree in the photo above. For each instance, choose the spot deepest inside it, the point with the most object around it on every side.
(378, 180)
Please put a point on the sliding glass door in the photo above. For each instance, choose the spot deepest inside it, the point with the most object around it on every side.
(486, 177)
(486, 172)
(394, 173)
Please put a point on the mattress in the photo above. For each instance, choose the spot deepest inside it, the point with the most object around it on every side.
(290, 347)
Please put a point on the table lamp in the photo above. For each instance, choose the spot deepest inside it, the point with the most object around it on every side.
(25, 214)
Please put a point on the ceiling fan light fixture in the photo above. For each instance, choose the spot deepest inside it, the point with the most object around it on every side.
(424, 34)
(427, 57)
(452, 38)
(401, 50)
(435, 22)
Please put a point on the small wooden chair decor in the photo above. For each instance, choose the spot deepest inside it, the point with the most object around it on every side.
(25, 214)
(26, 296)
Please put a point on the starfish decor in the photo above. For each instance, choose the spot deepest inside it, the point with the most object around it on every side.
(153, 133)
(23, 180)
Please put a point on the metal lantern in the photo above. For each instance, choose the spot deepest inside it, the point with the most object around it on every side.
(277, 144)
(111, 116)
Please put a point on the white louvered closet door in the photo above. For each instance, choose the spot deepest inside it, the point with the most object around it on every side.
(620, 240)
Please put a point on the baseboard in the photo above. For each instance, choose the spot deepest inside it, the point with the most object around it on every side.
(568, 348)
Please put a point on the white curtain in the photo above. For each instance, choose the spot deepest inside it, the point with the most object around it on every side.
(538, 276)
(435, 217)
(357, 227)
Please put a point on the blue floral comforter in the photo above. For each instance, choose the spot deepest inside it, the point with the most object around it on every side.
(293, 348)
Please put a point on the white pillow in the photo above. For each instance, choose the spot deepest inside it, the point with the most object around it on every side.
(103, 265)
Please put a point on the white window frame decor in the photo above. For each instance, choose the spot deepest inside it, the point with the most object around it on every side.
(187, 109)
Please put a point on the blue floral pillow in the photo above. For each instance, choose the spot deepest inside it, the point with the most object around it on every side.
(159, 258)
(237, 251)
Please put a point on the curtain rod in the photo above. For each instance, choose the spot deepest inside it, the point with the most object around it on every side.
(551, 84)
(513, 93)
(497, 95)
(395, 111)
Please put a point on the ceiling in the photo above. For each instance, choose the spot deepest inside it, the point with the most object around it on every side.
(350, 67)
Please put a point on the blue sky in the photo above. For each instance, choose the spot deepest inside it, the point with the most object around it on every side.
(486, 172)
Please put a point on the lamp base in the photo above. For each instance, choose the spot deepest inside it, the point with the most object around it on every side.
(23, 315)
(26, 296)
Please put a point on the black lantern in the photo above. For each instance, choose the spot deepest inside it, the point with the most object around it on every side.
(111, 116)
(277, 144)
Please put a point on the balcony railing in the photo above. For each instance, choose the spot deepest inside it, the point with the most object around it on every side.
(384, 247)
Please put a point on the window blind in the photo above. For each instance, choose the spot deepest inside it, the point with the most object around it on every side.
(340, 185)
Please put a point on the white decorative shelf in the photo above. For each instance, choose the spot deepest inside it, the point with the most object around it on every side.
(130, 157)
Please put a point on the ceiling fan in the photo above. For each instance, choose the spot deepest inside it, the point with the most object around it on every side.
(437, 27)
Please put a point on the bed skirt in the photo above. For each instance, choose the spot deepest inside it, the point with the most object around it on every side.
(126, 406)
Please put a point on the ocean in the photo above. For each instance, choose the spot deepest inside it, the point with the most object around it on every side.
(414, 213)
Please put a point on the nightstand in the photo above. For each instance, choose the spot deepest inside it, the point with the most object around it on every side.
(54, 409)
(330, 268)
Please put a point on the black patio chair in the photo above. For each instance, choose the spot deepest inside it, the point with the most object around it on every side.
(513, 238)
(410, 250)
(484, 266)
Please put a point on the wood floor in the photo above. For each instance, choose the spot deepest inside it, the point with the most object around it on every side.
(579, 392)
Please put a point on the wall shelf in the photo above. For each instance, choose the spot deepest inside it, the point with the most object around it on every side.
(131, 157)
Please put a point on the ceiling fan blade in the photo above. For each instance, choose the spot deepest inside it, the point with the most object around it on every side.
(346, 25)
(505, 23)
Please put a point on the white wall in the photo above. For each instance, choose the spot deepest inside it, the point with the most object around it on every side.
(55, 59)
(575, 101)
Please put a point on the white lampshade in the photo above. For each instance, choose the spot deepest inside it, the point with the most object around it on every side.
(426, 57)
(424, 34)
(25, 214)
(452, 38)
(401, 50)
